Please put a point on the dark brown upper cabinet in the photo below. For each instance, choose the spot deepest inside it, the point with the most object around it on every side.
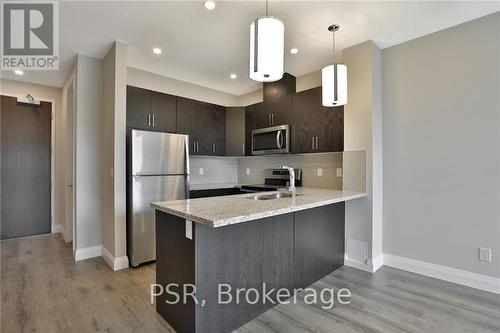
(276, 109)
(164, 110)
(205, 125)
(250, 125)
(316, 128)
(235, 131)
(283, 87)
(150, 110)
(138, 108)
(217, 127)
(274, 112)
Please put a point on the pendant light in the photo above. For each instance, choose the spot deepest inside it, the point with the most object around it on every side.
(334, 79)
(267, 46)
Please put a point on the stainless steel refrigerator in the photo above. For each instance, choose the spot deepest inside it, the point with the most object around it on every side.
(158, 170)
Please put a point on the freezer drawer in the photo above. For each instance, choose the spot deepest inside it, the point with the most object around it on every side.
(141, 223)
(155, 153)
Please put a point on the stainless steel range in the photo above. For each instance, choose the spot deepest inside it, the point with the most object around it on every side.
(275, 179)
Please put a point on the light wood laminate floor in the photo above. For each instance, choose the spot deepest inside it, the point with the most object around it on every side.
(44, 290)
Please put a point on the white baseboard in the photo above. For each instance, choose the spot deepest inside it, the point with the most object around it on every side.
(466, 278)
(377, 262)
(116, 263)
(357, 264)
(369, 265)
(88, 252)
(57, 229)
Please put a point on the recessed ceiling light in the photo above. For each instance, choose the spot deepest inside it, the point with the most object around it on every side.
(157, 50)
(19, 72)
(294, 50)
(233, 76)
(209, 4)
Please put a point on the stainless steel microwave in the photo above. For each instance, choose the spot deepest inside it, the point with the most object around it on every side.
(271, 140)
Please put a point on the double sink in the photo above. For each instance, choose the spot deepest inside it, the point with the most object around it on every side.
(272, 196)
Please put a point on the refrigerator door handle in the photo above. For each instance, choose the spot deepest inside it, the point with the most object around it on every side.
(187, 170)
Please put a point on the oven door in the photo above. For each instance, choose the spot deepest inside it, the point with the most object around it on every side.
(271, 140)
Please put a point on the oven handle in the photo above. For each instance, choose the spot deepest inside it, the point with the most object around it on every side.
(279, 139)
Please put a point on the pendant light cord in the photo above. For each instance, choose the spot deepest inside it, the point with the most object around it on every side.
(333, 55)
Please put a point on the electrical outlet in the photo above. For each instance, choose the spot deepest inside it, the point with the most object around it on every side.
(485, 254)
(338, 172)
(248, 171)
(320, 172)
(201, 171)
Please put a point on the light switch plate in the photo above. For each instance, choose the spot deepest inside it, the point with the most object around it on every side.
(320, 172)
(338, 172)
(201, 171)
(248, 171)
(189, 229)
(485, 254)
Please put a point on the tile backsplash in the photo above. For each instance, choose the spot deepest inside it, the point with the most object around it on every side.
(216, 170)
(309, 163)
(344, 170)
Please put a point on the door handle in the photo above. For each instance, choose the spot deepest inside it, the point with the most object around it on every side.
(197, 146)
(243, 148)
(317, 145)
(149, 119)
(270, 120)
(312, 144)
(153, 120)
(278, 139)
(213, 148)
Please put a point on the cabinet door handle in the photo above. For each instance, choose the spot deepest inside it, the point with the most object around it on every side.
(153, 120)
(243, 149)
(194, 146)
(317, 144)
(270, 120)
(312, 145)
(149, 119)
(213, 148)
(197, 146)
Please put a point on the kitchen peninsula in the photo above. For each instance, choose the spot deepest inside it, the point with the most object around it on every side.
(283, 239)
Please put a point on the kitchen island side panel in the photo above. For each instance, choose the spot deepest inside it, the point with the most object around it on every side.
(175, 263)
(319, 243)
(243, 255)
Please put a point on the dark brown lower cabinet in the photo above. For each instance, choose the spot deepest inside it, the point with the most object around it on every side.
(285, 251)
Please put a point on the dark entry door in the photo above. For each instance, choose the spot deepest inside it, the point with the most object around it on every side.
(25, 162)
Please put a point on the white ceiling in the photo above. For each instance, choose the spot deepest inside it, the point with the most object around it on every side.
(204, 47)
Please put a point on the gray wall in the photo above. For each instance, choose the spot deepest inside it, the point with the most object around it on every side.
(441, 146)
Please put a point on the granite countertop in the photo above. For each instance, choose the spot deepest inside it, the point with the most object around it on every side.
(231, 209)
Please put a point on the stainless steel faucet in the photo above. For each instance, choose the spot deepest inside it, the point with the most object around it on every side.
(291, 186)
